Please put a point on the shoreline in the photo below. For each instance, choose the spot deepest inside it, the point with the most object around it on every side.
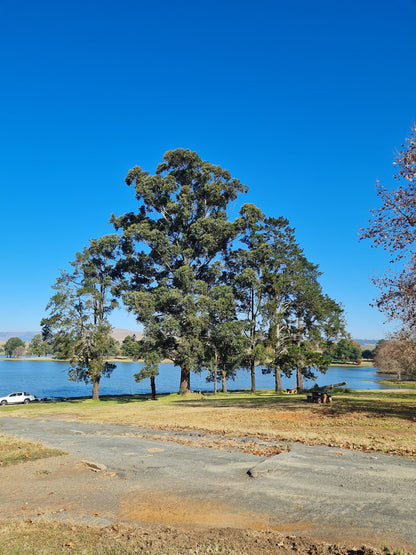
(365, 364)
(52, 359)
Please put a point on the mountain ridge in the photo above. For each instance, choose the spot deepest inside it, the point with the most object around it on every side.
(118, 333)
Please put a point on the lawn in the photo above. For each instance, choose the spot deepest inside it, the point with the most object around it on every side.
(380, 421)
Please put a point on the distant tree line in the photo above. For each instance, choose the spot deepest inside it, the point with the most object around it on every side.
(346, 350)
(211, 293)
(15, 347)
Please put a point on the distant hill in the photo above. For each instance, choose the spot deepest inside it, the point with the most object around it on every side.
(367, 342)
(27, 336)
(119, 334)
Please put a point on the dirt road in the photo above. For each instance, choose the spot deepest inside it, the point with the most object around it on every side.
(326, 493)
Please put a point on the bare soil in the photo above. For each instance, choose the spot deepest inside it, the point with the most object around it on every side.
(70, 491)
(144, 520)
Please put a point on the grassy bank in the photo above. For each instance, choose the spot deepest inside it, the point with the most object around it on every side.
(363, 364)
(379, 421)
(400, 384)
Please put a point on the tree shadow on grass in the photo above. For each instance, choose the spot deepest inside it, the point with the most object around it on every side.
(401, 406)
(121, 399)
(125, 399)
(370, 405)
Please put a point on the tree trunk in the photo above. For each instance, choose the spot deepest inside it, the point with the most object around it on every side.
(153, 387)
(185, 385)
(215, 370)
(253, 378)
(223, 381)
(96, 390)
(277, 380)
(299, 379)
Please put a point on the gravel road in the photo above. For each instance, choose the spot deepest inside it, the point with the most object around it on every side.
(319, 491)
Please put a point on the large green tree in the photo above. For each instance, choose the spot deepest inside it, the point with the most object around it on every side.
(168, 247)
(79, 309)
(14, 347)
(345, 350)
(246, 267)
(284, 268)
(144, 349)
(279, 298)
(225, 342)
(38, 346)
(130, 347)
(316, 321)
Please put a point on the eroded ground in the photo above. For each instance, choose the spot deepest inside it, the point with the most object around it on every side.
(168, 498)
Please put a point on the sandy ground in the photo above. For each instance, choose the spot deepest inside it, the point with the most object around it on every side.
(309, 500)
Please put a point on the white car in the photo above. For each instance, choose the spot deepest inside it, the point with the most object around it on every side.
(19, 397)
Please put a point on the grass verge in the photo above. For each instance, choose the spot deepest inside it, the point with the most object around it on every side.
(14, 450)
(376, 420)
(399, 384)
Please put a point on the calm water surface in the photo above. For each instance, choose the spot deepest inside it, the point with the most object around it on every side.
(50, 378)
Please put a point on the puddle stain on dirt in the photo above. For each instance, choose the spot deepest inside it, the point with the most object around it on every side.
(157, 509)
(178, 510)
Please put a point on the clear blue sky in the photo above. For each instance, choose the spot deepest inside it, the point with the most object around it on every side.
(305, 102)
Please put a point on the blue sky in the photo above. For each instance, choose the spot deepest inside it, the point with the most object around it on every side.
(305, 102)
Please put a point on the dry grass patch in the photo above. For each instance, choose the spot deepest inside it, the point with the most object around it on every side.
(14, 450)
(43, 538)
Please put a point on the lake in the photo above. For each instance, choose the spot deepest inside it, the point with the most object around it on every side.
(46, 378)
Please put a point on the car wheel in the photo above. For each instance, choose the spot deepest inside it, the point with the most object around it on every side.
(3, 403)
(26, 401)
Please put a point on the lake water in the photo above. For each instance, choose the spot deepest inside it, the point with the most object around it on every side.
(50, 378)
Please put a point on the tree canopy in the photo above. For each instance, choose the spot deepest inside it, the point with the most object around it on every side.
(180, 247)
(211, 293)
(78, 312)
(38, 346)
(345, 350)
(14, 347)
(398, 354)
(169, 247)
(393, 227)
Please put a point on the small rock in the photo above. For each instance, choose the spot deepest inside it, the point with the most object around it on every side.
(95, 467)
